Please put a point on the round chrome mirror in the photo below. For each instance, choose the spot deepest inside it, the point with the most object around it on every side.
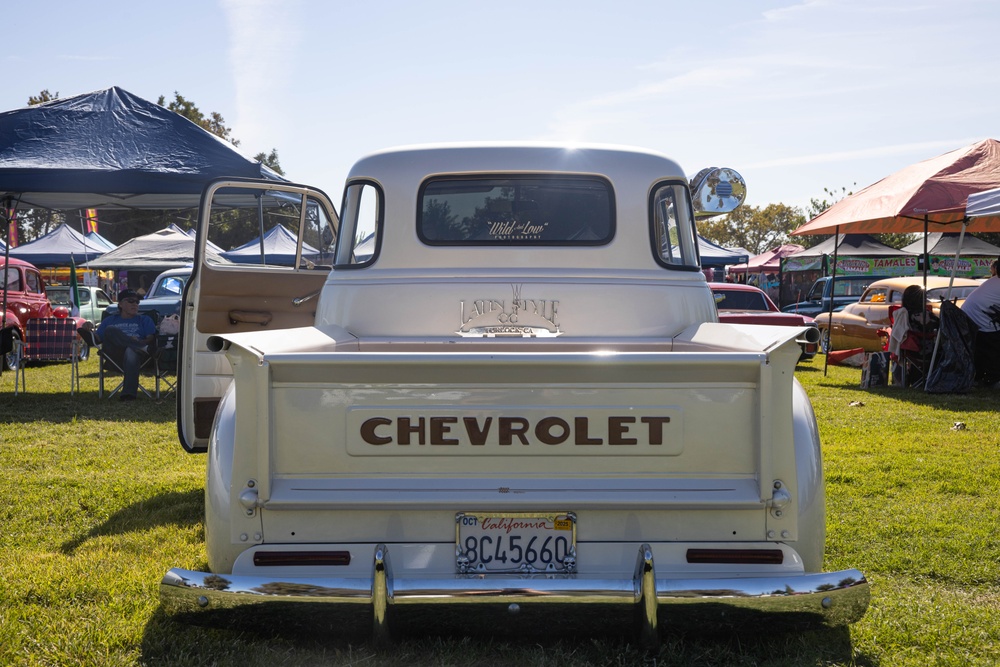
(717, 190)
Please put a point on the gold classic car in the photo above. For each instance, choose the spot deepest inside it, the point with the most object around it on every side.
(857, 324)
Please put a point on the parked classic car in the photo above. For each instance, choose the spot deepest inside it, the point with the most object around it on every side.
(163, 298)
(25, 299)
(519, 411)
(857, 324)
(847, 290)
(746, 304)
(93, 300)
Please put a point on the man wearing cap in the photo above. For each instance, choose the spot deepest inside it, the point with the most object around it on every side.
(128, 338)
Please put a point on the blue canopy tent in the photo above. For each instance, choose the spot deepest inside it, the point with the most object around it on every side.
(108, 150)
(58, 246)
(277, 246)
(97, 239)
(111, 150)
(716, 257)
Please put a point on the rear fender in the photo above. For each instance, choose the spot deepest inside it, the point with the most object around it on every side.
(809, 472)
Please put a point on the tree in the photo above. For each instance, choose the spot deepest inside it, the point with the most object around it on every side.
(753, 228)
(44, 96)
(271, 160)
(213, 123)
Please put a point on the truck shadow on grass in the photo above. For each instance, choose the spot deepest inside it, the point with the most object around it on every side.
(267, 636)
(63, 407)
(175, 508)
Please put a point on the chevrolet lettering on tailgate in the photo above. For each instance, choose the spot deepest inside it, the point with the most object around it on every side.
(649, 433)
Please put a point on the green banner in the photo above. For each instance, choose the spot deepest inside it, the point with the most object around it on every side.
(858, 266)
(966, 267)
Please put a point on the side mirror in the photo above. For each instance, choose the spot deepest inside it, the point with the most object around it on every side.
(717, 190)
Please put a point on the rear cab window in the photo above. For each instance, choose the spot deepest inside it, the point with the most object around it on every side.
(516, 210)
(739, 300)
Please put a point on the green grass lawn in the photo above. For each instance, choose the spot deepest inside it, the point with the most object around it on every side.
(98, 500)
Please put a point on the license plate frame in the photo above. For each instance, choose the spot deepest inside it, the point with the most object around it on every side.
(544, 542)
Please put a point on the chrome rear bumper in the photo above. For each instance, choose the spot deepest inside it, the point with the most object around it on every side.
(819, 599)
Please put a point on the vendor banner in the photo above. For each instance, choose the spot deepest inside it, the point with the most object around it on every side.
(965, 267)
(802, 263)
(857, 266)
(877, 266)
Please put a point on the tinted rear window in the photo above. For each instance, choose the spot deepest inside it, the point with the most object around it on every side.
(516, 210)
(739, 300)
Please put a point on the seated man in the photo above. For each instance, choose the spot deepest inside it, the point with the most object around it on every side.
(128, 338)
(983, 308)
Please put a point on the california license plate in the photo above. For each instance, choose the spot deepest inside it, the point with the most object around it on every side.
(527, 542)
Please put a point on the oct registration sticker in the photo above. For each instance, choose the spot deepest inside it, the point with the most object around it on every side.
(515, 542)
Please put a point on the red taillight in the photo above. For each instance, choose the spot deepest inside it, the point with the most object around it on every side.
(736, 556)
(292, 558)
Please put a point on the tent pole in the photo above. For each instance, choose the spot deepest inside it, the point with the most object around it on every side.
(833, 285)
(6, 338)
(260, 224)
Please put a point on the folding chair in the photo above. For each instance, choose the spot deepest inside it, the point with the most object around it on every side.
(48, 339)
(916, 349)
(166, 364)
(109, 366)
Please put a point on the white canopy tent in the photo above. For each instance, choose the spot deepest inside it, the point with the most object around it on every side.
(983, 204)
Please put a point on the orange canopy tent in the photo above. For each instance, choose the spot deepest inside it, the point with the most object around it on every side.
(928, 196)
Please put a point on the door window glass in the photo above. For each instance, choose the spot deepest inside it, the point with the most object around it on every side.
(276, 229)
(33, 280)
(673, 227)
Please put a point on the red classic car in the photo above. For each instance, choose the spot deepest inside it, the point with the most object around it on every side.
(746, 304)
(23, 291)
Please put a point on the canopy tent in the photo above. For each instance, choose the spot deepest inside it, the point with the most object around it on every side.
(768, 261)
(278, 246)
(855, 245)
(926, 196)
(159, 251)
(716, 257)
(984, 204)
(97, 239)
(57, 248)
(364, 250)
(930, 196)
(857, 254)
(111, 149)
(193, 233)
(943, 250)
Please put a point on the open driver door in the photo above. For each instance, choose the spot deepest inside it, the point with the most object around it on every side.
(263, 253)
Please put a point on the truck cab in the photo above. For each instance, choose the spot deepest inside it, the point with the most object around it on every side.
(516, 404)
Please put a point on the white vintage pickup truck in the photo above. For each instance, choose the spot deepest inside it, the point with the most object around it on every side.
(495, 387)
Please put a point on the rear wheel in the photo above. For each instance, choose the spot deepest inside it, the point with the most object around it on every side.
(824, 340)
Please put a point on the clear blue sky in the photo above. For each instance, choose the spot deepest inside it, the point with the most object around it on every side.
(796, 95)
